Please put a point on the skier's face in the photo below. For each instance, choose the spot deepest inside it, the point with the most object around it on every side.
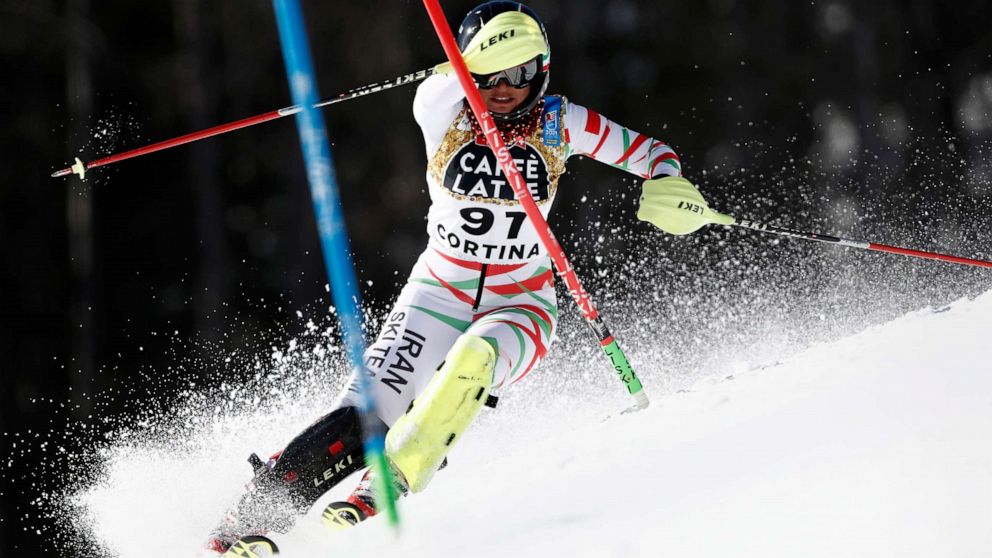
(504, 98)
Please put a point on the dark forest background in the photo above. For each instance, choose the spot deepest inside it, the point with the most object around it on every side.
(216, 241)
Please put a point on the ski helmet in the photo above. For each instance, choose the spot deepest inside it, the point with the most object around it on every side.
(476, 20)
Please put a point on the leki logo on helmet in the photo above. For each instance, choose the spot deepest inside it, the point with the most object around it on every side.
(497, 38)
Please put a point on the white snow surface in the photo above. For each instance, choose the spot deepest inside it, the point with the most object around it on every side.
(876, 445)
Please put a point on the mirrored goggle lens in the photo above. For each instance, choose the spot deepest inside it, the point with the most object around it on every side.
(517, 76)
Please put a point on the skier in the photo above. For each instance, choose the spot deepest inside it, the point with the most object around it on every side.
(478, 312)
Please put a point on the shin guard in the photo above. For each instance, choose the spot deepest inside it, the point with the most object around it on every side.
(318, 458)
(419, 441)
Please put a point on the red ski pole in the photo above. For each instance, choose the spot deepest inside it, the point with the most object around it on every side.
(80, 167)
(763, 227)
(564, 268)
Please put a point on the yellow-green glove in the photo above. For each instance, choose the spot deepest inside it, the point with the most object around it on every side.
(675, 206)
(507, 40)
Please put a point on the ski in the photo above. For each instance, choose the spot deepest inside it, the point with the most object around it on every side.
(252, 547)
(341, 516)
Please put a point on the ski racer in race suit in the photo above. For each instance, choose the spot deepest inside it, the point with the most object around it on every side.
(480, 300)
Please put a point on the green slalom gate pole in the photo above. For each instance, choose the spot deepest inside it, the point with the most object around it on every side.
(333, 236)
(565, 270)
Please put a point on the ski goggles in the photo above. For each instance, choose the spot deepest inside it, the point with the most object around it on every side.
(518, 76)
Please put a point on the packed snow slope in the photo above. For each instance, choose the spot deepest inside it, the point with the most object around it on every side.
(876, 445)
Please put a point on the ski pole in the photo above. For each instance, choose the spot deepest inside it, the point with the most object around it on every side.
(333, 235)
(764, 227)
(565, 270)
(80, 167)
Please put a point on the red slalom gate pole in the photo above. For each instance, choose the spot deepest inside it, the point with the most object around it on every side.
(610, 346)
(764, 227)
(80, 167)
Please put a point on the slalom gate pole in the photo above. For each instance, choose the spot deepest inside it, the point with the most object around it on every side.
(563, 266)
(80, 167)
(764, 227)
(333, 235)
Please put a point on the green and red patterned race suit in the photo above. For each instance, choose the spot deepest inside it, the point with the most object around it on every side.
(485, 271)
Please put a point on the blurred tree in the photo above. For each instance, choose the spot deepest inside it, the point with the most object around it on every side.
(828, 109)
(85, 304)
(195, 29)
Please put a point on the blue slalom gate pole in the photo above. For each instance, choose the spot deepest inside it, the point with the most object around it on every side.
(333, 234)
